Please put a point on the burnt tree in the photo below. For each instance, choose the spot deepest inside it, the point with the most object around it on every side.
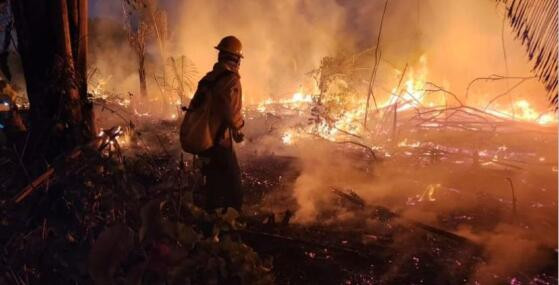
(137, 29)
(144, 20)
(52, 43)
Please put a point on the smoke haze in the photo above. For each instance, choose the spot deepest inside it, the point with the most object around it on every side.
(284, 40)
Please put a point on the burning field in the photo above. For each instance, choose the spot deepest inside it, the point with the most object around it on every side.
(385, 142)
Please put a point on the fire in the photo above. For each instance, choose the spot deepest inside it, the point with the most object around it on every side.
(287, 138)
(124, 139)
(338, 110)
(405, 143)
(429, 193)
(413, 94)
(299, 97)
(523, 111)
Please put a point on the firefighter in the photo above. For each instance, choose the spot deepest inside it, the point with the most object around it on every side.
(221, 168)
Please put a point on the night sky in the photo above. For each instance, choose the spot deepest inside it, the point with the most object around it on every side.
(113, 8)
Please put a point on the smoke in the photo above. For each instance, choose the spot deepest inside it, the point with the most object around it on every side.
(509, 251)
(471, 202)
(284, 40)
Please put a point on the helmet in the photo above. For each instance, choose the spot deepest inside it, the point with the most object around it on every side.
(231, 45)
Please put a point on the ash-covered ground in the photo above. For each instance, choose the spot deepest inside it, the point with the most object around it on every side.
(437, 207)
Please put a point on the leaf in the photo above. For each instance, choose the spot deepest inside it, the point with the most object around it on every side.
(227, 221)
(230, 216)
(108, 252)
(151, 221)
(186, 235)
(183, 233)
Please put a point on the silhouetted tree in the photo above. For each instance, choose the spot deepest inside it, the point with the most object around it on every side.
(52, 44)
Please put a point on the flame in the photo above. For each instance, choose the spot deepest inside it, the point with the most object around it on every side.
(413, 93)
(287, 138)
(124, 139)
(523, 111)
(429, 193)
(338, 110)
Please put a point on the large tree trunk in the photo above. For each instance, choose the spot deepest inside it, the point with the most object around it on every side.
(48, 33)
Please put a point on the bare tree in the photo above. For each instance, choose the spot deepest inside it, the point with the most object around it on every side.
(143, 19)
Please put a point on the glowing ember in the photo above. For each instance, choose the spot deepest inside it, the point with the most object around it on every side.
(429, 193)
(287, 138)
(123, 139)
(405, 143)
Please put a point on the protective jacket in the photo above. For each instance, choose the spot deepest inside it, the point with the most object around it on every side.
(225, 89)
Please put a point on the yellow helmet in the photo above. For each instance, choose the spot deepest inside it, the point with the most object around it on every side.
(231, 45)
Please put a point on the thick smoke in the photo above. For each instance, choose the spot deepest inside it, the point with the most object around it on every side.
(284, 40)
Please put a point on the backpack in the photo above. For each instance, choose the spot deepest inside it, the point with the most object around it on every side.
(199, 129)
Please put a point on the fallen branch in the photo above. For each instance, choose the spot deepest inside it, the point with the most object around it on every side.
(507, 92)
(61, 163)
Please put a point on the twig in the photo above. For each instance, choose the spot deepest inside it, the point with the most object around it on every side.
(162, 145)
(440, 89)
(370, 150)
(395, 119)
(112, 111)
(373, 74)
(513, 196)
(507, 92)
(21, 164)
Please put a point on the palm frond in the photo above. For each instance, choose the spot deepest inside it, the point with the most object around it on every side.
(535, 24)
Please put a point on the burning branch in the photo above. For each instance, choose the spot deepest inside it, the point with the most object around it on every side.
(507, 92)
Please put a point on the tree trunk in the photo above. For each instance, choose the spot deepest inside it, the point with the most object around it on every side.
(142, 74)
(57, 101)
(140, 49)
(81, 70)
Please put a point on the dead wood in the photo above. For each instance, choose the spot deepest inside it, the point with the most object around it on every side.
(370, 92)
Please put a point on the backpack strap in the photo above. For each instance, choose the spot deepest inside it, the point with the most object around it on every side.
(205, 84)
(223, 127)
